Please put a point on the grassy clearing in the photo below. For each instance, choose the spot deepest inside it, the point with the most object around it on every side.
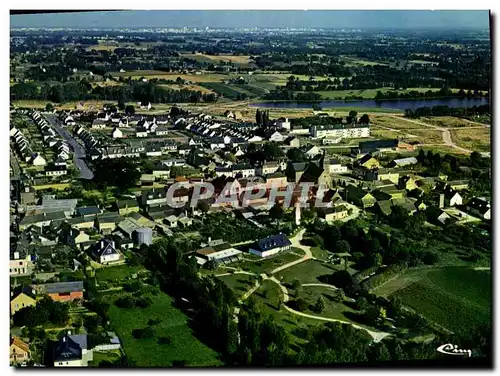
(478, 139)
(268, 296)
(148, 352)
(114, 273)
(239, 283)
(100, 356)
(426, 136)
(268, 264)
(392, 122)
(333, 309)
(448, 121)
(454, 297)
(306, 272)
(223, 89)
(203, 89)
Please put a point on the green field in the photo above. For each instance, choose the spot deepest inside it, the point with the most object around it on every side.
(268, 296)
(453, 297)
(173, 323)
(113, 273)
(333, 309)
(306, 272)
(239, 283)
(266, 265)
(223, 89)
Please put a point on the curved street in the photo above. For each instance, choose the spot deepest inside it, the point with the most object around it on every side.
(79, 152)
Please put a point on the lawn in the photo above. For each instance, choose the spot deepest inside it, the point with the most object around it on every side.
(392, 122)
(425, 136)
(306, 272)
(268, 296)
(268, 264)
(173, 323)
(333, 309)
(448, 121)
(477, 139)
(113, 273)
(239, 283)
(454, 297)
(100, 356)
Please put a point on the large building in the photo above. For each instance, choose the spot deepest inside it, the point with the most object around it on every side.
(341, 130)
(271, 245)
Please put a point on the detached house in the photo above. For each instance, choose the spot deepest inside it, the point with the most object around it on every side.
(479, 208)
(271, 245)
(72, 351)
(19, 351)
(105, 252)
(20, 297)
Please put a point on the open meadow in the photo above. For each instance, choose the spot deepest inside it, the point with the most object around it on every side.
(453, 297)
(478, 139)
(172, 323)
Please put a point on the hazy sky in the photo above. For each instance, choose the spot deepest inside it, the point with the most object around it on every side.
(313, 18)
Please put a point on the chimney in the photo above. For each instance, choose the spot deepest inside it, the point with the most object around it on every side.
(441, 201)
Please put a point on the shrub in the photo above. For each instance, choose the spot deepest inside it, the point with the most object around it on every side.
(164, 340)
(141, 333)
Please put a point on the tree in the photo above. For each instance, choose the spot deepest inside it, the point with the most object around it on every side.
(258, 117)
(365, 119)
(316, 107)
(49, 107)
(277, 212)
(353, 114)
(203, 206)
(421, 156)
(342, 246)
(320, 305)
(475, 159)
(121, 104)
(130, 110)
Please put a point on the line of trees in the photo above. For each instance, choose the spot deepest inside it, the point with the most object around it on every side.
(465, 112)
(83, 90)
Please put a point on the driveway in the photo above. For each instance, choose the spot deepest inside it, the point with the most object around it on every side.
(79, 152)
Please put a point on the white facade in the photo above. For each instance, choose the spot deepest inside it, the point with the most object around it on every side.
(116, 133)
(342, 132)
(265, 253)
(337, 169)
(109, 258)
(38, 161)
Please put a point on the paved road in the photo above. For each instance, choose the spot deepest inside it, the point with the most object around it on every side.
(79, 152)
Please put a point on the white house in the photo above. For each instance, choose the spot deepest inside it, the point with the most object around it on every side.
(335, 167)
(313, 151)
(116, 133)
(271, 245)
(38, 160)
(105, 252)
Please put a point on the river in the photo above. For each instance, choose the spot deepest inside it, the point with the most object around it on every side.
(370, 103)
